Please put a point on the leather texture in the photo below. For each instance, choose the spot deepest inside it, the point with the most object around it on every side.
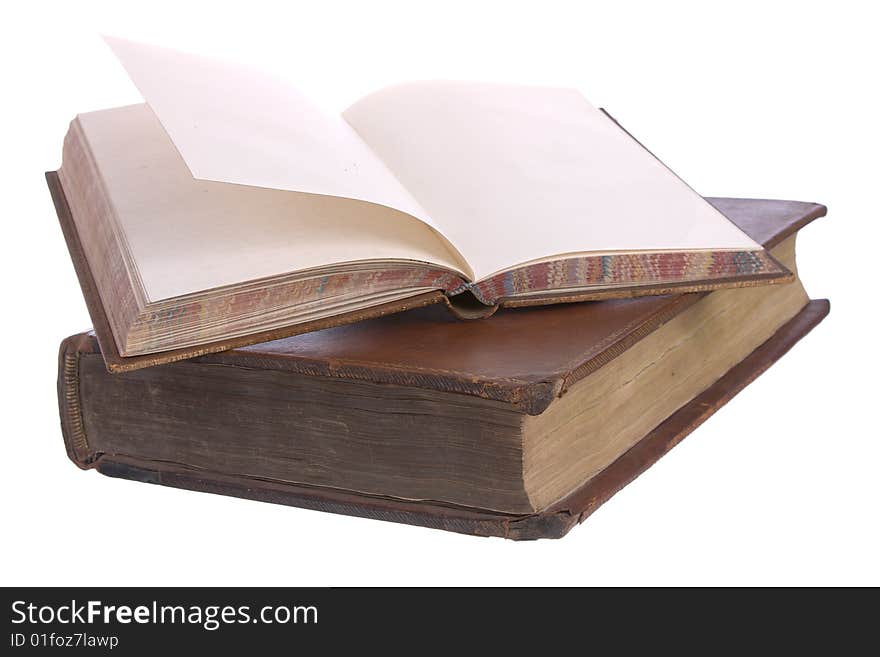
(523, 356)
(753, 216)
(553, 522)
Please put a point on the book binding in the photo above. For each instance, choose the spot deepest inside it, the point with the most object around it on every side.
(553, 522)
(466, 305)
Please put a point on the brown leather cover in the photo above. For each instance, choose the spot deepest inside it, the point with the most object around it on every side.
(744, 213)
(553, 522)
(118, 363)
(525, 357)
(522, 357)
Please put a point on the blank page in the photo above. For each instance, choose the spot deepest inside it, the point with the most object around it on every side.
(187, 235)
(237, 125)
(513, 174)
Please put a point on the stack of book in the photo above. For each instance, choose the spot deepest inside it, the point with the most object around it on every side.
(479, 308)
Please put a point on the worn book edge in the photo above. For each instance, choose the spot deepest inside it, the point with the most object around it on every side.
(553, 522)
(463, 306)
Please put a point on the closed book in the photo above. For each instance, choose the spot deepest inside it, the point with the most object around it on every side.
(518, 427)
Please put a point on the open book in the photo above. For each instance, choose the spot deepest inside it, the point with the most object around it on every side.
(229, 209)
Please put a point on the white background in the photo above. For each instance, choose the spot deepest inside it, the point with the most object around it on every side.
(774, 100)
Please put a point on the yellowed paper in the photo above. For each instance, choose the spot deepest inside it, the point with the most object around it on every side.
(508, 174)
(513, 174)
(237, 125)
(187, 235)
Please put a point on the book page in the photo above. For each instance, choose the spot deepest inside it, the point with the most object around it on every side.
(514, 174)
(507, 174)
(187, 235)
(237, 125)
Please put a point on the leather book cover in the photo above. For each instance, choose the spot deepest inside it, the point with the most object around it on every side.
(747, 216)
(553, 522)
(524, 358)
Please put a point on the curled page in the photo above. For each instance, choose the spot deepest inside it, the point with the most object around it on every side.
(236, 125)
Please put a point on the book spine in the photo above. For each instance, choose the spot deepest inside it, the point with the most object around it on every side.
(464, 303)
(317, 430)
(70, 410)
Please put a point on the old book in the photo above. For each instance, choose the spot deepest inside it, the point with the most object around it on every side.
(208, 218)
(517, 427)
